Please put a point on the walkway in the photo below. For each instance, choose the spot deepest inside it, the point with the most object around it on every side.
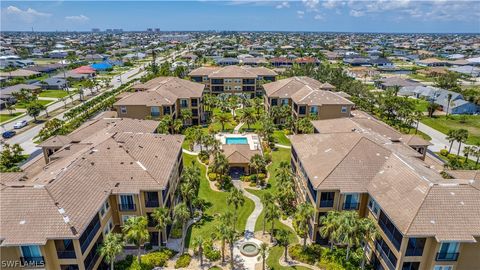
(236, 130)
(283, 146)
(189, 152)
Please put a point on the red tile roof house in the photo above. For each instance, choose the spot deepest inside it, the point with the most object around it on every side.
(281, 62)
(307, 60)
(85, 70)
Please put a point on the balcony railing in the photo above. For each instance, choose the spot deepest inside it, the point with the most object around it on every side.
(27, 260)
(350, 206)
(444, 256)
(389, 234)
(385, 257)
(152, 203)
(90, 237)
(326, 203)
(126, 207)
(66, 254)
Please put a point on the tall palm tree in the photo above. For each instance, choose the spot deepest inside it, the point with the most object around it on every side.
(162, 217)
(257, 162)
(468, 150)
(188, 193)
(329, 228)
(135, 230)
(231, 236)
(198, 243)
(112, 246)
(449, 99)
(223, 118)
(283, 240)
(248, 117)
(257, 104)
(267, 200)
(271, 215)
(349, 231)
(462, 136)
(236, 199)
(226, 220)
(304, 125)
(182, 215)
(177, 125)
(220, 164)
(302, 217)
(263, 253)
(186, 115)
(476, 153)
(369, 230)
(451, 137)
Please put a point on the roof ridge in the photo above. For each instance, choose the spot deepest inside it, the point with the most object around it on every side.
(418, 209)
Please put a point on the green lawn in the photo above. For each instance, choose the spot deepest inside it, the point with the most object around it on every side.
(470, 162)
(280, 137)
(421, 77)
(6, 117)
(53, 93)
(21, 105)
(216, 204)
(468, 122)
(421, 105)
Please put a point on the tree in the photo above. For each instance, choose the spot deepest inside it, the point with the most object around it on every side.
(248, 117)
(330, 225)
(258, 163)
(231, 236)
(448, 81)
(267, 200)
(476, 153)
(226, 220)
(449, 98)
(186, 115)
(220, 164)
(283, 240)
(263, 253)
(198, 243)
(112, 246)
(236, 199)
(302, 217)
(223, 118)
(188, 193)
(10, 107)
(461, 137)
(135, 230)
(162, 217)
(468, 150)
(451, 137)
(34, 109)
(304, 125)
(271, 215)
(369, 230)
(182, 215)
(10, 157)
(349, 232)
(257, 104)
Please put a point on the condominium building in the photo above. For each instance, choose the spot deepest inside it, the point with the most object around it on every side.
(424, 220)
(233, 79)
(162, 96)
(307, 97)
(56, 215)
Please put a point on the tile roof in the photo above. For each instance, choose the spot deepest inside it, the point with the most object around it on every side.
(232, 72)
(238, 153)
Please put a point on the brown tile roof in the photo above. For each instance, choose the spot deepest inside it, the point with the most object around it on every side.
(232, 72)
(162, 91)
(238, 153)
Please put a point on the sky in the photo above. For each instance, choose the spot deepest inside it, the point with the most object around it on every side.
(404, 16)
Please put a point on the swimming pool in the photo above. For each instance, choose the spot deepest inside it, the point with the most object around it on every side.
(236, 140)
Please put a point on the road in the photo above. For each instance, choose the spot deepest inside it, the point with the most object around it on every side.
(26, 139)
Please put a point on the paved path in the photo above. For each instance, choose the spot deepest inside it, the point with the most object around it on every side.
(252, 219)
(236, 130)
(283, 146)
(439, 142)
(189, 152)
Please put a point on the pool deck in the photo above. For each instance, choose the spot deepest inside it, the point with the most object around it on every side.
(252, 139)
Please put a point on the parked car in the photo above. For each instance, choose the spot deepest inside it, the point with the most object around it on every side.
(8, 134)
(20, 124)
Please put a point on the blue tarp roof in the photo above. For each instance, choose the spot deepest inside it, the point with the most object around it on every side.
(101, 66)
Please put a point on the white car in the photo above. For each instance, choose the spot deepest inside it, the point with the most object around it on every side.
(20, 124)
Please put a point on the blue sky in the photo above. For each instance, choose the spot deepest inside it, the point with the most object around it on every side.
(441, 16)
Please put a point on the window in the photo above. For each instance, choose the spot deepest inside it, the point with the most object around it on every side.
(151, 199)
(166, 110)
(443, 267)
(312, 190)
(351, 201)
(108, 227)
(227, 80)
(237, 87)
(237, 81)
(448, 251)
(415, 246)
(183, 103)
(344, 109)
(387, 226)
(373, 206)
(123, 109)
(194, 102)
(194, 112)
(196, 79)
(228, 87)
(104, 209)
(31, 254)
(386, 254)
(302, 110)
(284, 101)
(326, 199)
(273, 102)
(205, 78)
(155, 111)
(411, 266)
(126, 203)
(314, 110)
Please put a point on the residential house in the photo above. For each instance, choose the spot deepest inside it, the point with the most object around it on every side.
(233, 79)
(53, 83)
(391, 82)
(163, 96)
(307, 97)
(55, 216)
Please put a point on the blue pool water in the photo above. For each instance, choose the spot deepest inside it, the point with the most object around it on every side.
(237, 140)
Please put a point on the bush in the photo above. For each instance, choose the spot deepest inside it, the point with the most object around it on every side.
(176, 231)
(261, 176)
(157, 258)
(183, 261)
(252, 184)
(203, 156)
(245, 178)
(444, 152)
(212, 176)
(125, 263)
(212, 254)
(309, 255)
(267, 157)
(206, 162)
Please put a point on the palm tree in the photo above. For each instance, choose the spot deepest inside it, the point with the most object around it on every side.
(188, 194)
(283, 240)
(349, 232)
(267, 200)
(449, 98)
(476, 153)
(182, 215)
(162, 217)
(135, 230)
(220, 164)
(461, 137)
(263, 253)
(248, 117)
(304, 125)
(10, 107)
(226, 220)
(329, 228)
(302, 217)
(112, 246)
(231, 236)
(177, 125)
(451, 137)
(468, 150)
(198, 243)
(223, 118)
(186, 115)
(271, 215)
(257, 162)
(257, 104)
(236, 199)
(369, 231)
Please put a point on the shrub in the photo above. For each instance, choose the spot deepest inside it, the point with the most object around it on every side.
(212, 176)
(183, 261)
(212, 254)
(261, 176)
(444, 152)
(309, 255)
(176, 231)
(253, 178)
(203, 156)
(125, 263)
(267, 157)
(206, 162)
(157, 258)
(252, 184)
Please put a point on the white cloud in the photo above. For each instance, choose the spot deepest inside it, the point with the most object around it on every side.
(356, 13)
(329, 4)
(77, 18)
(283, 4)
(300, 14)
(311, 5)
(27, 15)
(319, 17)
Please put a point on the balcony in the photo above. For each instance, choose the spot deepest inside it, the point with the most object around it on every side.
(350, 206)
(384, 256)
(85, 243)
(66, 254)
(326, 203)
(32, 260)
(126, 207)
(444, 256)
(152, 203)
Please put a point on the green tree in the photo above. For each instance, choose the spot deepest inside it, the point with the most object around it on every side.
(304, 213)
(10, 107)
(267, 199)
(271, 215)
(135, 230)
(304, 125)
(283, 240)
(449, 99)
(237, 199)
(461, 137)
(451, 137)
(369, 231)
(330, 224)
(448, 81)
(186, 116)
(10, 157)
(182, 215)
(263, 253)
(162, 218)
(257, 162)
(248, 117)
(226, 220)
(220, 164)
(198, 243)
(112, 246)
(223, 118)
(34, 109)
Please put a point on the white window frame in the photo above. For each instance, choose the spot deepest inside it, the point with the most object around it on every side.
(123, 109)
(443, 267)
(104, 209)
(152, 110)
(374, 206)
(344, 109)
